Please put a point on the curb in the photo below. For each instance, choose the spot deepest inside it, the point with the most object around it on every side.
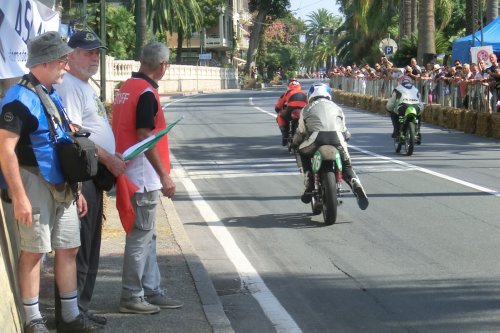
(210, 301)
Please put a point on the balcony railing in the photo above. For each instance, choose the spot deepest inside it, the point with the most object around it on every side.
(216, 41)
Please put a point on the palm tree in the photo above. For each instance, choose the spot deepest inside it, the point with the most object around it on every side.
(414, 15)
(491, 10)
(471, 7)
(321, 26)
(405, 18)
(140, 26)
(180, 16)
(184, 17)
(366, 23)
(426, 35)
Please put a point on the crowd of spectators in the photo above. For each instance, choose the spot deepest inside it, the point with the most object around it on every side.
(471, 86)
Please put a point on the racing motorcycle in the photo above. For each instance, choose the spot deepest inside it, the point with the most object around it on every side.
(327, 176)
(409, 131)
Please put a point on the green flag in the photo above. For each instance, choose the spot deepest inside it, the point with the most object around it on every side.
(147, 143)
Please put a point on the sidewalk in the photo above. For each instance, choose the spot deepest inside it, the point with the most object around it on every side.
(183, 275)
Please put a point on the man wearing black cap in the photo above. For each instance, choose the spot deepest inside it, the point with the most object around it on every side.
(42, 201)
(87, 112)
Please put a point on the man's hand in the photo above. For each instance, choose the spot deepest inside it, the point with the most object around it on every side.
(81, 206)
(168, 188)
(23, 210)
(116, 165)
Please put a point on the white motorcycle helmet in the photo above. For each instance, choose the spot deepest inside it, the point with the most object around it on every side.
(319, 90)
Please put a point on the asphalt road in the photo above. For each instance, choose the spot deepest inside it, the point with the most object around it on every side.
(422, 258)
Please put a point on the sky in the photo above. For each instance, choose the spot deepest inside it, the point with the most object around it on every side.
(302, 8)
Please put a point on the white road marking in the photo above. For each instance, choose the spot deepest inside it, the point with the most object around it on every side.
(250, 278)
(430, 172)
(265, 167)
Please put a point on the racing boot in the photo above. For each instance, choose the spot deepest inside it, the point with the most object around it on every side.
(395, 125)
(308, 188)
(360, 193)
(284, 135)
(419, 138)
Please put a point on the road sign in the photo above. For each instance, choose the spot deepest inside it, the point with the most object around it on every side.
(388, 46)
(205, 56)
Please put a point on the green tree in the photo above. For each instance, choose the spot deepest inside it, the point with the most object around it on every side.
(265, 11)
(280, 45)
(120, 33)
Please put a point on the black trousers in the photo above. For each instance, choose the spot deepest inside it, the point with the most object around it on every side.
(87, 259)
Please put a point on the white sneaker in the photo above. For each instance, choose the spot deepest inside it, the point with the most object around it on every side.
(360, 194)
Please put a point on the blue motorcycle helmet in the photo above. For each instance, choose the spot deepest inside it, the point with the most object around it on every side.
(319, 90)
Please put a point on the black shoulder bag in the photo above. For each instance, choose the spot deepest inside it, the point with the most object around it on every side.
(79, 156)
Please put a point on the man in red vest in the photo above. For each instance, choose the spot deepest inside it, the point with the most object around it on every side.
(137, 115)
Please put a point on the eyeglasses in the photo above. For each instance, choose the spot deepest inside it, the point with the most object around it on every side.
(167, 65)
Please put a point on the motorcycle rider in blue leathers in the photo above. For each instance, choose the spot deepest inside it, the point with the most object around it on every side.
(403, 95)
(322, 122)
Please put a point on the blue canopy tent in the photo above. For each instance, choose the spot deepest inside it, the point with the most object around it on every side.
(491, 36)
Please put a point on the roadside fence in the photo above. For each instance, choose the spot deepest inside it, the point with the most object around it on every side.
(474, 95)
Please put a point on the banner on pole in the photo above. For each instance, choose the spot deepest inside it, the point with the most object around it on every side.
(19, 21)
(478, 53)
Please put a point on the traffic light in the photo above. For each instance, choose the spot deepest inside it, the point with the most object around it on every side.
(321, 31)
(331, 31)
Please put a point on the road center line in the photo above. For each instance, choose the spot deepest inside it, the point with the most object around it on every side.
(250, 278)
(430, 172)
(414, 167)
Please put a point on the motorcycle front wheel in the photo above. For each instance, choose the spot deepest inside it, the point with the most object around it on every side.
(329, 196)
(410, 138)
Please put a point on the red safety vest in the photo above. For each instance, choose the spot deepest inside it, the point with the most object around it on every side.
(124, 118)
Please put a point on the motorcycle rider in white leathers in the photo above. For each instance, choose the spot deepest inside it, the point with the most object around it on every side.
(403, 95)
(322, 122)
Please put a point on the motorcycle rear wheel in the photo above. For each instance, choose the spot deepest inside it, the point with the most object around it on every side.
(329, 196)
(293, 128)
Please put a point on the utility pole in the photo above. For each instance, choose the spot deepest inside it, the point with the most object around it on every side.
(103, 51)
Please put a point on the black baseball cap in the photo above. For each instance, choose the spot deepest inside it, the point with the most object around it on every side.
(86, 40)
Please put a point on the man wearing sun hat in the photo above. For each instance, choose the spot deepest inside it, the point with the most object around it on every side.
(87, 112)
(42, 202)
